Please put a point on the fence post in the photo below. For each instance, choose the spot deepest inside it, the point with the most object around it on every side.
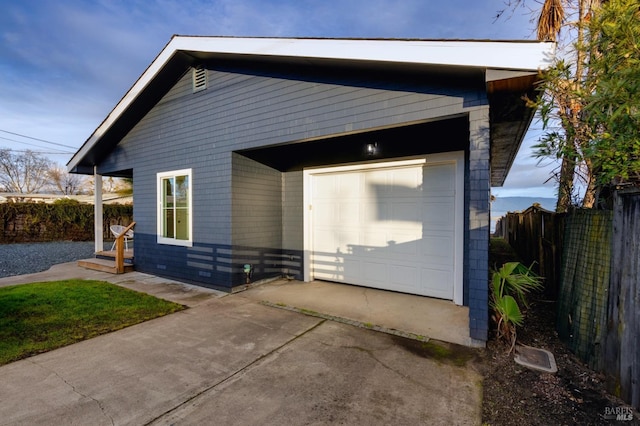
(621, 350)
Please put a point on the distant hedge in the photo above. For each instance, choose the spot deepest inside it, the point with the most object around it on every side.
(64, 220)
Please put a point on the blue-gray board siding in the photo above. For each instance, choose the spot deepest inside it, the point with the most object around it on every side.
(292, 211)
(218, 266)
(242, 111)
(256, 204)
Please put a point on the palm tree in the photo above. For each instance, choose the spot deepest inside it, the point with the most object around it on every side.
(550, 20)
(564, 91)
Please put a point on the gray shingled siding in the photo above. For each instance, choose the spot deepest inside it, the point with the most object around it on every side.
(256, 217)
(241, 111)
(292, 211)
(477, 233)
(292, 224)
(257, 204)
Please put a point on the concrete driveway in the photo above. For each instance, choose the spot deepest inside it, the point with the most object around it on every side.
(232, 360)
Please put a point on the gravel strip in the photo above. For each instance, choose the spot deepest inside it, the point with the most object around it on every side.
(27, 258)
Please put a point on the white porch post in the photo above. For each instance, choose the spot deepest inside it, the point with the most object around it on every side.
(97, 211)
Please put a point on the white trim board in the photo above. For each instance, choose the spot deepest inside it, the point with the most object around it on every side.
(498, 55)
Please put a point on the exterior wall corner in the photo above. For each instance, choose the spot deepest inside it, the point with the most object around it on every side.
(478, 223)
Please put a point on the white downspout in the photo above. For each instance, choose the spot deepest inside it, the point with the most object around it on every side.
(97, 211)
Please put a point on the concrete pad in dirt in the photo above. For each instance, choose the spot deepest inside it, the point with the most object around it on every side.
(339, 374)
(134, 375)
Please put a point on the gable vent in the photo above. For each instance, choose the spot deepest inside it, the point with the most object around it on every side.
(199, 75)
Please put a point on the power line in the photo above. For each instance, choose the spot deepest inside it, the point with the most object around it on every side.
(31, 144)
(39, 152)
(36, 139)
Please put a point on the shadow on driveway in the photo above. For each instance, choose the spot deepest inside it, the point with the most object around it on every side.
(231, 360)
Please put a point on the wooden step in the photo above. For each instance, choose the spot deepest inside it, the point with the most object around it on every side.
(111, 255)
(103, 265)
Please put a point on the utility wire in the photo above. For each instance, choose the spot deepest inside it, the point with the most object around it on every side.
(36, 139)
(32, 144)
(40, 152)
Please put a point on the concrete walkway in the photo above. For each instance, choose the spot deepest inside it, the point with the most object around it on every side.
(232, 360)
(188, 295)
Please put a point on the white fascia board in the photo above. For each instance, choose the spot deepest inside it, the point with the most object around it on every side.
(135, 90)
(510, 55)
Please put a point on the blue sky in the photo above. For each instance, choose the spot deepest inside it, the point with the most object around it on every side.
(64, 64)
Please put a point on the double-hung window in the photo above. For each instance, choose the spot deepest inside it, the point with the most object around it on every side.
(174, 208)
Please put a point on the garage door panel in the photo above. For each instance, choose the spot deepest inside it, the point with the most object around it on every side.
(373, 213)
(405, 278)
(326, 188)
(353, 269)
(336, 242)
(348, 186)
(439, 178)
(437, 249)
(404, 177)
(327, 248)
(381, 243)
(401, 212)
(325, 212)
(346, 239)
(405, 246)
(328, 266)
(374, 272)
(348, 213)
(438, 282)
(376, 179)
(372, 241)
(389, 228)
(438, 215)
(405, 210)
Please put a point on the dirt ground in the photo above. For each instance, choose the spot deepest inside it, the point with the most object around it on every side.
(516, 395)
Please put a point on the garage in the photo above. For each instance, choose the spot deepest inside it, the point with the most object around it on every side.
(394, 226)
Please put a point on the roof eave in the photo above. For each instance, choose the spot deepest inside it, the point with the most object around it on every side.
(509, 92)
(506, 55)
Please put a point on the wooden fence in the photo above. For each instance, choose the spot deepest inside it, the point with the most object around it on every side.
(622, 341)
(591, 261)
(584, 283)
(536, 235)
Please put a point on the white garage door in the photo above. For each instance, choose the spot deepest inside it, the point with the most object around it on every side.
(391, 227)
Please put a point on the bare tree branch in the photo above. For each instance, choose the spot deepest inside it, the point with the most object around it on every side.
(65, 182)
(24, 173)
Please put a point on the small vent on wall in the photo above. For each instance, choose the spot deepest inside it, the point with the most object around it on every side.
(199, 75)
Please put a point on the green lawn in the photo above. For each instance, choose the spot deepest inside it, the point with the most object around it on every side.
(39, 317)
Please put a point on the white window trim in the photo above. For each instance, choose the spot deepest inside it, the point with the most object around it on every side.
(160, 238)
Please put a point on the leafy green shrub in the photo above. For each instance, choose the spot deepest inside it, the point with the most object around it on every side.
(61, 220)
(509, 286)
(66, 202)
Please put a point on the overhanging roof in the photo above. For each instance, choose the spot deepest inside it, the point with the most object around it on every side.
(511, 68)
